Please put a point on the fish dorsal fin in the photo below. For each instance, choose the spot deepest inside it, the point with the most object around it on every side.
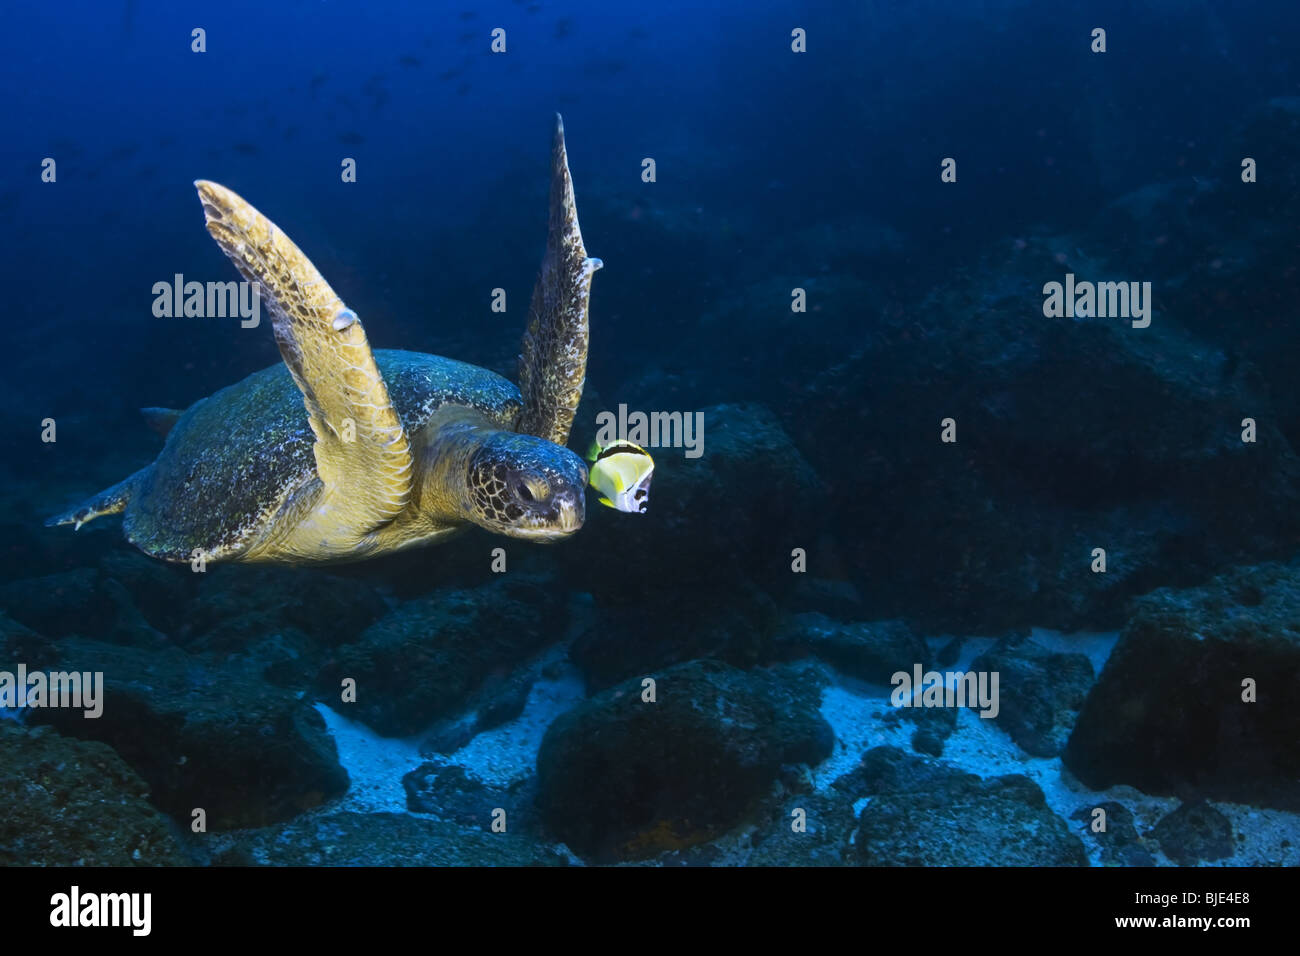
(161, 420)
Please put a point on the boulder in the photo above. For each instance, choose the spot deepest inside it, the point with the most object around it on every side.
(204, 734)
(1168, 714)
(924, 813)
(623, 778)
(1121, 845)
(1040, 692)
(349, 838)
(1194, 833)
(870, 651)
(424, 660)
(76, 803)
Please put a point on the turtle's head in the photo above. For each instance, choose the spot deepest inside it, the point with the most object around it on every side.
(526, 487)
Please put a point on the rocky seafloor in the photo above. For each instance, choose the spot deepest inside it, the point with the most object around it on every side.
(505, 718)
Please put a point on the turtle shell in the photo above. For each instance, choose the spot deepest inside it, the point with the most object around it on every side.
(233, 459)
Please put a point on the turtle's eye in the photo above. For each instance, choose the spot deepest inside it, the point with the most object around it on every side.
(533, 489)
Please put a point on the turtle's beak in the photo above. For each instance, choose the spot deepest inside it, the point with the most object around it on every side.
(572, 514)
(563, 518)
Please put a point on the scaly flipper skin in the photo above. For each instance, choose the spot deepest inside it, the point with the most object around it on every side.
(110, 501)
(553, 363)
(367, 480)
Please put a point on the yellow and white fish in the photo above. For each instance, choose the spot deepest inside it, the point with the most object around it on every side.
(621, 472)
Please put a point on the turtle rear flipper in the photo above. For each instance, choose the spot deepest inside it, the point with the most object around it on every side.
(553, 359)
(362, 453)
(110, 501)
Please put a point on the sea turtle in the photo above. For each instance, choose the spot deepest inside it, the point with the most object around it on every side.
(340, 453)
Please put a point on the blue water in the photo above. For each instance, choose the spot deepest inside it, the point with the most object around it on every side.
(451, 138)
(775, 170)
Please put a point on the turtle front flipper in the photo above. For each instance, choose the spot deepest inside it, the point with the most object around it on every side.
(362, 454)
(553, 361)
